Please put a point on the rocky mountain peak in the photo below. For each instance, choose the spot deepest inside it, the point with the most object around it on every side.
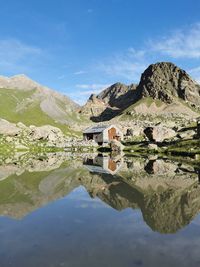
(21, 82)
(118, 95)
(109, 102)
(165, 81)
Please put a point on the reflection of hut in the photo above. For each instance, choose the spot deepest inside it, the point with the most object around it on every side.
(102, 134)
(102, 164)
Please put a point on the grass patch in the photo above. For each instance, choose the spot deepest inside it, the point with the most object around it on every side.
(31, 114)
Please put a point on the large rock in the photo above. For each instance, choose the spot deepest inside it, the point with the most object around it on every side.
(116, 146)
(159, 133)
(160, 167)
(7, 128)
(190, 134)
(48, 133)
(109, 102)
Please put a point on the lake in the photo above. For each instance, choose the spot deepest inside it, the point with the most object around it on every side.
(96, 210)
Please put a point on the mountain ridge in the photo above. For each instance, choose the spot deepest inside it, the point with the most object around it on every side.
(22, 99)
(162, 81)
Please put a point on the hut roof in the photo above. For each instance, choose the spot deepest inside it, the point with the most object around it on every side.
(96, 129)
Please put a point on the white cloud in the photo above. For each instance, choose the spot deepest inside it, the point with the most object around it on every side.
(16, 56)
(61, 77)
(180, 44)
(94, 86)
(85, 90)
(129, 65)
(195, 73)
(79, 72)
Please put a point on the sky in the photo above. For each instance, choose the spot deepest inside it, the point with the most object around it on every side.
(79, 47)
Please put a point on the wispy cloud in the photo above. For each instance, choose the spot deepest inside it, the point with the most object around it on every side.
(179, 44)
(83, 91)
(195, 72)
(61, 77)
(94, 86)
(16, 56)
(127, 65)
(79, 72)
(183, 43)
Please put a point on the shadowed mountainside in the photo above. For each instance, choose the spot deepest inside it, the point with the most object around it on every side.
(163, 89)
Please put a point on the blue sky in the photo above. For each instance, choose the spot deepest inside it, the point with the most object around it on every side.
(81, 46)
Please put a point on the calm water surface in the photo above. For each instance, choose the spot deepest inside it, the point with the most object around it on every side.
(98, 211)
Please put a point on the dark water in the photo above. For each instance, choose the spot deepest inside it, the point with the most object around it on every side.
(94, 211)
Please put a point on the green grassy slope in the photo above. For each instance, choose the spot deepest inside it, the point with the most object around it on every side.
(30, 114)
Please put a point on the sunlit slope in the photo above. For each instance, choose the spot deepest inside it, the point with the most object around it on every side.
(28, 107)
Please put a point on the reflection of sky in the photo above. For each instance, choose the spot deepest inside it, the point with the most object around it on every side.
(73, 232)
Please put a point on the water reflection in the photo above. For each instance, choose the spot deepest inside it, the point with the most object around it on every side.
(103, 164)
(166, 192)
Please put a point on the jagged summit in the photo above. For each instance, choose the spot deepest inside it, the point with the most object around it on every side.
(109, 102)
(163, 89)
(164, 81)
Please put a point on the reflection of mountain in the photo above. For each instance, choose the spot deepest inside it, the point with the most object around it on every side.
(169, 200)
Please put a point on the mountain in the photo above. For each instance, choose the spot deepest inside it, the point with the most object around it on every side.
(164, 90)
(165, 81)
(109, 102)
(22, 99)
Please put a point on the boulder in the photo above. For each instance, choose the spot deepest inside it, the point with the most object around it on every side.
(153, 147)
(159, 133)
(187, 134)
(47, 133)
(116, 146)
(161, 167)
(9, 129)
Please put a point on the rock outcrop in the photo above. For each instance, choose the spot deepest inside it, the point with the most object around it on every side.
(21, 137)
(164, 81)
(109, 102)
(9, 129)
(159, 133)
(164, 89)
(118, 95)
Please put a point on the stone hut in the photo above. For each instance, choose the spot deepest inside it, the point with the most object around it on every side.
(103, 134)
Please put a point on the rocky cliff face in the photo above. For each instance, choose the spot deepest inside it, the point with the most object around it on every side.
(118, 95)
(162, 90)
(109, 102)
(164, 81)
